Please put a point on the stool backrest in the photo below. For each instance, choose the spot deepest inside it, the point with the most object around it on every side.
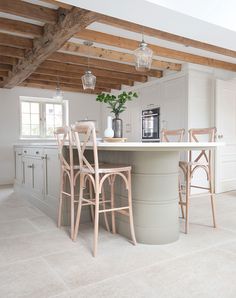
(172, 135)
(63, 135)
(84, 135)
(205, 135)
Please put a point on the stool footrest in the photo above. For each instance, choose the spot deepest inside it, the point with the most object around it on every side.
(113, 209)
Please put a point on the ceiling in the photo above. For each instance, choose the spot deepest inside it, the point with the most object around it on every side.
(40, 52)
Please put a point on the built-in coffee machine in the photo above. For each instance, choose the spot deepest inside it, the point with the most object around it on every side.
(151, 125)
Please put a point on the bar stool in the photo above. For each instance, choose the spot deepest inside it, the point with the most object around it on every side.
(98, 175)
(68, 170)
(203, 160)
(177, 136)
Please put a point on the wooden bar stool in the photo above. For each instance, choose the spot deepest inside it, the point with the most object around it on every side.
(68, 170)
(98, 175)
(175, 136)
(203, 160)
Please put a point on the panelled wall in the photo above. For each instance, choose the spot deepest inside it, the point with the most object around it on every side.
(81, 106)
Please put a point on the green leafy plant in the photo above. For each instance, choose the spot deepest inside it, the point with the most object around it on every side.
(116, 103)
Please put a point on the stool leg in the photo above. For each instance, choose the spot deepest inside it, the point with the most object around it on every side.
(91, 196)
(81, 187)
(113, 220)
(180, 198)
(187, 199)
(212, 194)
(72, 207)
(104, 207)
(131, 218)
(96, 222)
(61, 198)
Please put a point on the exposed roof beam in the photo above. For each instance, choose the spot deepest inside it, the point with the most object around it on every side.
(65, 87)
(11, 52)
(15, 41)
(97, 72)
(3, 73)
(53, 39)
(115, 55)
(102, 64)
(158, 51)
(5, 67)
(19, 27)
(58, 3)
(8, 60)
(29, 10)
(69, 74)
(166, 36)
(70, 81)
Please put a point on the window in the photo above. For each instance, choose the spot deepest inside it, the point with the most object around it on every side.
(40, 117)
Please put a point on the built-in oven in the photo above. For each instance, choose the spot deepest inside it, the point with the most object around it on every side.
(151, 125)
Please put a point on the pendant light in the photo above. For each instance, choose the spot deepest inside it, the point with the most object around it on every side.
(143, 56)
(88, 79)
(58, 93)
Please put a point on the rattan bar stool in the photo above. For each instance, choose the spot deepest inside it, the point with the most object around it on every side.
(98, 174)
(175, 135)
(203, 161)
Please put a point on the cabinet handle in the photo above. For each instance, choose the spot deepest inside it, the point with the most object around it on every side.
(43, 157)
(30, 166)
(19, 154)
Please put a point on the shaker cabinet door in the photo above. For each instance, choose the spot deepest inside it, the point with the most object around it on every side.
(37, 177)
(18, 166)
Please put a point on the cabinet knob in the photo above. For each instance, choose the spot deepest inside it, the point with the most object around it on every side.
(25, 151)
(30, 166)
(37, 152)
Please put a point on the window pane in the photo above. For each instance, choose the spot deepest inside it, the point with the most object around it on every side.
(50, 131)
(49, 109)
(25, 118)
(25, 107)
(50, 120)
(35, 130)
(58, 109)
(25, 130)
(35, 119)
(58, 120)
(35, 107)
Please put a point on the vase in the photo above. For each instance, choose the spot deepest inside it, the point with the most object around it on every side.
(109, 132)
(117, 125)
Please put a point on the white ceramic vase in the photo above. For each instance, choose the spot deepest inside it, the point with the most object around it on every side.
(109, 132)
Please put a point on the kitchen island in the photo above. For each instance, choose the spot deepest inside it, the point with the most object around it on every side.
(154, 183)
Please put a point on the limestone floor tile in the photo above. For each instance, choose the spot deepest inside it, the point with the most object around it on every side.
(32, 279)
(30, 246)
(8, 213)
(43, 222)
(79, 267)
(207, 274)
(226, 221)
(199, 237)
(16, 228)
(230, 247)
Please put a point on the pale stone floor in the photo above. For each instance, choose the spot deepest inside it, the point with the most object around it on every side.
(39, 260)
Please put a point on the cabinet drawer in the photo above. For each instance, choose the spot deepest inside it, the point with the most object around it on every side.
(32, 151)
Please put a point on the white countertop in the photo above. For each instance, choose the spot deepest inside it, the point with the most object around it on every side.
(138, 146)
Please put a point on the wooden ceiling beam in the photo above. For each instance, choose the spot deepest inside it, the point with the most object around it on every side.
(76, 75)
(19, 27)
(58, 3)
(5, 67)
(157, 50)
(97, 72)
(3, 73)
(53, 39)
(8, 60)
(64, 87)
(115, 55)
(166, 36)
(15, 41)
(12, 52)
(29, 11)
(70, 81)
(102, 64)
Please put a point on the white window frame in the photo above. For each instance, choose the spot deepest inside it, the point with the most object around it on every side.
(42, 110)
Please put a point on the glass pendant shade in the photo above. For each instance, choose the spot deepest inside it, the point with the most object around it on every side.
(88, 80)
(143, 57)
(58, 94)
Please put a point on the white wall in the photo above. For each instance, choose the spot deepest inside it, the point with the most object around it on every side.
(80, 106)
